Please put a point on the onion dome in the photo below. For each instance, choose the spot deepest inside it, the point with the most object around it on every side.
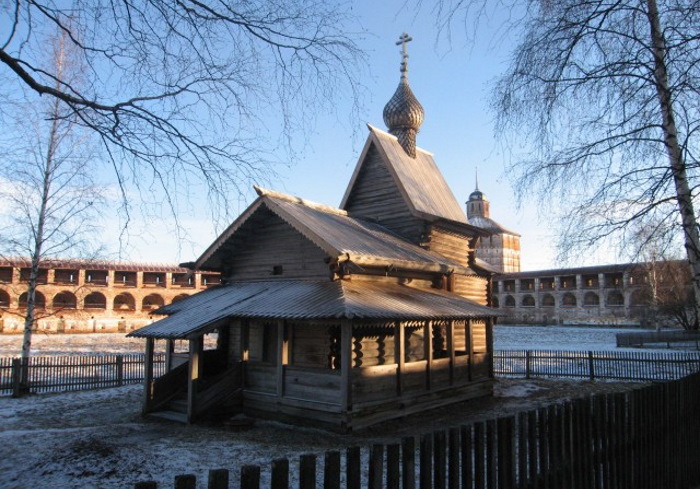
(403, 114)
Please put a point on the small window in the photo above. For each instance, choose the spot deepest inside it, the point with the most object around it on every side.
(277, 270)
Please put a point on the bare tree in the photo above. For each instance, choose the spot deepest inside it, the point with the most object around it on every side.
(186, 89)
(50, 202)
(603, 97)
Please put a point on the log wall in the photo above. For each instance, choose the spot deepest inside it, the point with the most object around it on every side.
(268, 243)
(375, 196)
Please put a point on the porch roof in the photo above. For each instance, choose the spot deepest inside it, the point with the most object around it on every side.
(306, 300)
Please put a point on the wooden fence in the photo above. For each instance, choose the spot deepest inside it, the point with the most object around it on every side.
(77, 372)
(648, 438)
(669, 339)
(609, 365)
(68, 373)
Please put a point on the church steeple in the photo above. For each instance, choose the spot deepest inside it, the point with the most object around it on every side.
(403, 114)
(477, 205)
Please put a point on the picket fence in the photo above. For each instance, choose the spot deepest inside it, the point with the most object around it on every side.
(76, 372)
(607, 365)
(79, 372)
(647, 438)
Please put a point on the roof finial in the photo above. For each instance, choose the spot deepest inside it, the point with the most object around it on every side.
(403, 40)
(476, 177)
(403, 114)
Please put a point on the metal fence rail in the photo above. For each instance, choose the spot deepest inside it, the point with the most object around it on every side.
(669, 339)
(77, 372)
(609, 365)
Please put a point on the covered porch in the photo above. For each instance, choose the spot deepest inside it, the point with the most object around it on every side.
(336, 354)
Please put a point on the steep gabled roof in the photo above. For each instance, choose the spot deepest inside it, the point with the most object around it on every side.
(342, 237)
(418, 179)
(299, 299)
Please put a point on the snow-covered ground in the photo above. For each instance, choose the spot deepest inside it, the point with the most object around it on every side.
(520, 337)
(97, 439)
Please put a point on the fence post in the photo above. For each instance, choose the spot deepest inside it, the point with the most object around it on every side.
(331, 470)
(408, 463)
(393, 466)
(250, 477)
(376, 467)
(186, 481)
(353, 468)
(307, 471)
(527, 364)
(591, 368)
(279, 476)
(16, 376)
(218, 479)
(120, 370)
(146, 485)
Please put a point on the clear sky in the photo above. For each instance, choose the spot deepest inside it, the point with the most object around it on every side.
(451, 80)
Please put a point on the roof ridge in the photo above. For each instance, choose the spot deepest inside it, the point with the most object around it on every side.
(273, 194)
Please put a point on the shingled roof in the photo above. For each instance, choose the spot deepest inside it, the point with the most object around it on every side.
(303, 300)
(418, 179)
(342, 237)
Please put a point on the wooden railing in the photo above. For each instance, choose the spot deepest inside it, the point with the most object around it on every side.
(648, 438)
(167, 386)
(216, 390)
(608, 365)
(77, 372)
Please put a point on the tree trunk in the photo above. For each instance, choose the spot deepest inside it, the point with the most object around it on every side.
(675, 152)
(30, 317)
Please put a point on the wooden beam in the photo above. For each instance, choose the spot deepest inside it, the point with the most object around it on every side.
(148, 376)
(451, 348)
(196, 347)
(489, 344)
(346, 365)
(469, 346)
(282, 357)
(399, 354)
(169, 349)
(428, 346)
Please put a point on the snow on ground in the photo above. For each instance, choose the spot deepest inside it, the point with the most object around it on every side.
(97, 439)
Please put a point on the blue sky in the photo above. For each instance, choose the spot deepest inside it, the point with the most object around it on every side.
(452, 81)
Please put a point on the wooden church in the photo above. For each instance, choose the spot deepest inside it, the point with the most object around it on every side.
(339, 317)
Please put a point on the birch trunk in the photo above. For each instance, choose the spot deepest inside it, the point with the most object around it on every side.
(675, 152)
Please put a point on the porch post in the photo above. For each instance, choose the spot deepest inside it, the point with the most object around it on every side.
(451, 348)
(169, 349)
(469, 346)
(196, 346)
(346, 366)
(147, 376)
(489, 344)
(282, 356)
(428, 346)
(399, 353)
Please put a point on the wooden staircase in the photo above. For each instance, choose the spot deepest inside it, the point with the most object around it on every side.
(214, 395)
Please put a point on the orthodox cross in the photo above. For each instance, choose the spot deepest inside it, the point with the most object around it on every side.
(403, 40)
